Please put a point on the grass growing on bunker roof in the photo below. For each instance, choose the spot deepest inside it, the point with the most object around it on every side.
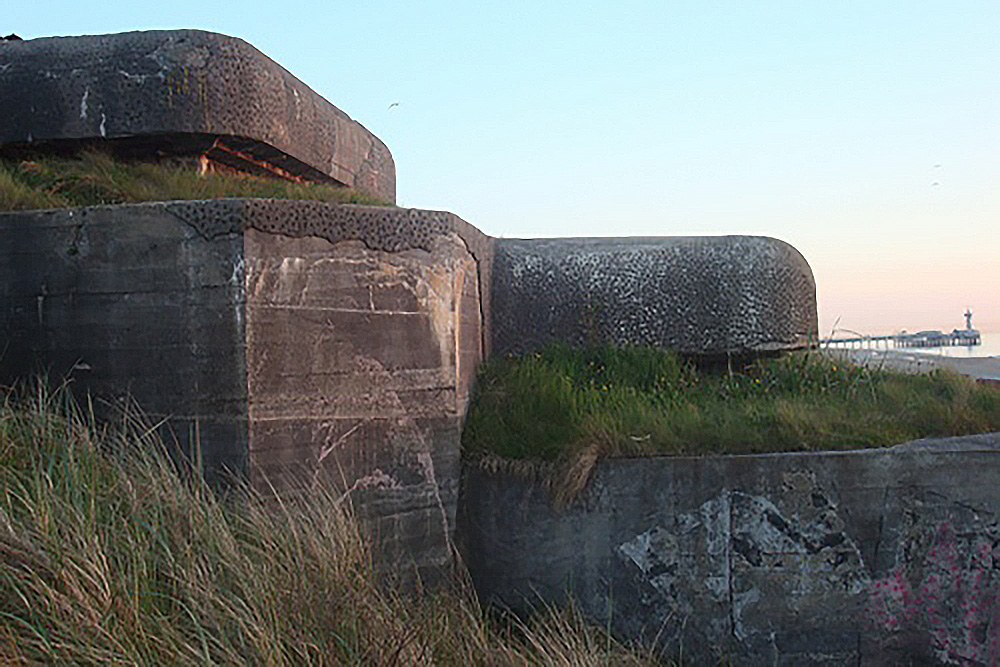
(563, 404)
(95, 178)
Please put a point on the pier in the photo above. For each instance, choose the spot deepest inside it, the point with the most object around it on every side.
(968, 337)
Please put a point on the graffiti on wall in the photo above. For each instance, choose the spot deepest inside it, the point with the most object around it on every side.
(942, 597)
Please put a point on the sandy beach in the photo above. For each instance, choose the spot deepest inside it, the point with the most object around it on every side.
(980, 368)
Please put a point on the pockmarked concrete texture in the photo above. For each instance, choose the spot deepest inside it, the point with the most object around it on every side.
(697, 295)
(186, 92)
(295, 342)
(871, 557)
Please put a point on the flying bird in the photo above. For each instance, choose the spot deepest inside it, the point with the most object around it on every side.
(394, 104)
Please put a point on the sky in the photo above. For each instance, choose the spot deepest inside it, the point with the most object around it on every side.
(865, 133)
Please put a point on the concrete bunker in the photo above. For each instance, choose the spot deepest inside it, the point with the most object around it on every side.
(330, 341)
(187, 93)
(340, 343)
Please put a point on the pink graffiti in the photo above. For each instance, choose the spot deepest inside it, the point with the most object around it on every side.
(946, 598)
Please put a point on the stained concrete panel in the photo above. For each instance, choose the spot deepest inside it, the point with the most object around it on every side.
(182, 92)
(355, 371)
(863, 557)
(696, 295)
(131, 302)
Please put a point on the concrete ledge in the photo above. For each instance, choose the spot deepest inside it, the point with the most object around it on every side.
(183, 92)
(871, 557)
(697, 295)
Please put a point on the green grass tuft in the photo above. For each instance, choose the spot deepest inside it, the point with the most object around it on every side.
(96, 179)
(562, 403)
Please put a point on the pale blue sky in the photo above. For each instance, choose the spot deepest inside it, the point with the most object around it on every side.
(820, 123)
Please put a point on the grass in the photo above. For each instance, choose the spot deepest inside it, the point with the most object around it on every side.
(564, 404)
(94, 178)
(108, 557)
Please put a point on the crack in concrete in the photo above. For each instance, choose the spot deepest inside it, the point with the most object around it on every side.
(732, 593)
(878, 536)
(337, 443)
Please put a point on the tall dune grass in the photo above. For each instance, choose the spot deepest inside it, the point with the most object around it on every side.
(109, 557)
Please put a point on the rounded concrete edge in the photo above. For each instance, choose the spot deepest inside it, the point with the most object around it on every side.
(697, 295)
(189, 88)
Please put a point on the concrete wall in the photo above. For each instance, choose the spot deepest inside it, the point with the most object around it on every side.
(297, 341)
(359, 366)
(866, 557)
(131, 302)
(183, 92)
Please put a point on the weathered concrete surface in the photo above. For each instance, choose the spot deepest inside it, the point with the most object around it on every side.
(128, 301)
(186, 92)
(295, 340)
(696, 295)
(867, 557)
(359, 365)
